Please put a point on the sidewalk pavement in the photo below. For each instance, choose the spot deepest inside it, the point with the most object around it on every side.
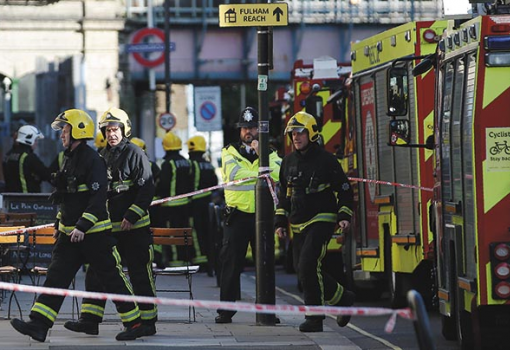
(173, 329)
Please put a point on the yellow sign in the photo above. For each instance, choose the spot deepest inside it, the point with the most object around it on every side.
(254, 15)
(497, 142)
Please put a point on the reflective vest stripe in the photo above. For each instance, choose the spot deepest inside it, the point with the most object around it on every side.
(98, 227)
(142, 222)
(90, 217)
(324, 217)
(22, 178)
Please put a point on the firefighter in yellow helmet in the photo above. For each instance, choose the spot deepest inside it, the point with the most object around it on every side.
(204, 176)
(175, 179)
(315, 195)
(240, 160)
(83, 226)
(130, 193)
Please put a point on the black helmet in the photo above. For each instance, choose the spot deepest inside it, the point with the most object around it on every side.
(249, 118)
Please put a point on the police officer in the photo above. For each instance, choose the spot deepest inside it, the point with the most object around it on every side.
(240, 160)
(130, 193)
(82, 224)
(204, 176)
(175, 178)
(23, 170)
(314, 195)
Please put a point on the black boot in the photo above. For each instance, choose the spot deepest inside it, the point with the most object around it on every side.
(132, 332)
(35, 329)
(311, 325)
(83, 326)
(150, 328)
(347, 299)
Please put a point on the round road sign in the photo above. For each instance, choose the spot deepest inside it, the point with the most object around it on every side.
(208, 110)
(137, 39)
(167, 121)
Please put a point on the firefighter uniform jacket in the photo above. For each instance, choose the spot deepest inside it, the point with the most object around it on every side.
(238, 164)
(23, 170)
(175, 178)
(313, 187)
(78, 191)
(204, 175)
(131, 186)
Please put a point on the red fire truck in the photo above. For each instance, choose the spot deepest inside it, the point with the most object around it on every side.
(391, 245)
(471, 162)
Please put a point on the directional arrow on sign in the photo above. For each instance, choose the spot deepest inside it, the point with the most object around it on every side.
(278, 12)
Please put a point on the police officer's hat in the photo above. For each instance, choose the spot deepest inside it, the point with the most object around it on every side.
(249, 118)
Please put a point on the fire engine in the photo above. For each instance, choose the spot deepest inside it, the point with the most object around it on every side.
(321, 89)
(391, 245)
(471, 160)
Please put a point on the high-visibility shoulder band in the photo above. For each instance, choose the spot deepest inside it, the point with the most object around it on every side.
(46, 311)
(98, 227)
(92, 218)
(241, 188)
(281, 211)
(130, 315)
(92, 309)
(345, 210)
(142, 222)
(83, 188)
(321, 188)
(176, 202)
(135, 208)
(22, 178)
(201, 195)
(324, 217)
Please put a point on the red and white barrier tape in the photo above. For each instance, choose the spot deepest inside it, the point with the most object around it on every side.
(234, 306)
(23, 230)
(395, 184)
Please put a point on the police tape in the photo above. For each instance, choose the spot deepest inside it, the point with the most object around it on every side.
(395, 184)
(232, 306)
(18, 231)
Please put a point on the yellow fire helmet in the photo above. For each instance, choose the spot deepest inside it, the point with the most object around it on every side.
(196, 144)
(81, 123)
(139, 142)
(115, 116)
(301, 121)
(172, 142)
(100, 141)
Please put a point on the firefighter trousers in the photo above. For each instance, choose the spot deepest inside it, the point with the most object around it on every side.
(137, 253)
(176, 217)
(98, 250)
(309, 248)
(239, 231)
(201, 225)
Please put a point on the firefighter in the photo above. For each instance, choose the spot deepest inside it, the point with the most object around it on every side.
(175, 179)
(315, 194)
(154, 167)
(240, 160)
(83, 226)
(130, 192)
(23, 170)
(204, 176)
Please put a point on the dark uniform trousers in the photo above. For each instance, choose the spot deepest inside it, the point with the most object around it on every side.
(98, 250)
(135, 248)
(176, 217)
(309, 248)
(239, 230)
(200, 214)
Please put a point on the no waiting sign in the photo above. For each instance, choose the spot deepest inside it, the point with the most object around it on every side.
(208, 108)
